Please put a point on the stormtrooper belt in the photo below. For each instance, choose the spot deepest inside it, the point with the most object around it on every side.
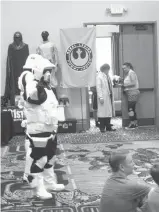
(40, 142)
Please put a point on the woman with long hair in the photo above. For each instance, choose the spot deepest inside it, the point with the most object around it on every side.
(131, 89)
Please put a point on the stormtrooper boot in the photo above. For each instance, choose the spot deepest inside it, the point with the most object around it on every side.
(25, 178)
(50, 164)
(38, 184)
(28, 162)
(54, 177)
(50, 181)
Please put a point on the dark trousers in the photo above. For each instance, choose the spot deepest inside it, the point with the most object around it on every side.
(104, 123)
(38, 152)
(94, 100)
(132, 111)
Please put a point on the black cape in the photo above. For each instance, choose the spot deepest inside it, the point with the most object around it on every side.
(15, 61)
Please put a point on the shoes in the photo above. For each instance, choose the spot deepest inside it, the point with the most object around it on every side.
(40, 190)
(97, 124)
(135, 123)
(131, 126)
(111, 129)
(50, 181)
(25, 178)
(108, 129)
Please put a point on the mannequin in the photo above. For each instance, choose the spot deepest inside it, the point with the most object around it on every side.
(49, 51)
(18, 52)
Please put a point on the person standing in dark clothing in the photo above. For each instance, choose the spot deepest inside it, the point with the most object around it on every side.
(131, 89)
(18, 52)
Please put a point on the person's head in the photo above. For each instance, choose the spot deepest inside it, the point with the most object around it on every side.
(42, 70)
(127, 67)
(154, 171)
(121, 161)
(17, 38)
(45, 35)
(105, 68)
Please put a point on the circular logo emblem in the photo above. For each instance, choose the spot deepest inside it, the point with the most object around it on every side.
(79, 56)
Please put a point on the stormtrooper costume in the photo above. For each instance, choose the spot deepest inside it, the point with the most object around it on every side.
(26, 77)
(41, 111)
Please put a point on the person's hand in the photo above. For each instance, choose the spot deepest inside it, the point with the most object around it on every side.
(101, 100)
(121, 80)
(39, 84)
(123, 86)
(40, 87)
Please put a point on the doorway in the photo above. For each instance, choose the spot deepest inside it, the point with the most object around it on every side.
(136, 45)
(103, 52)
(105, 48)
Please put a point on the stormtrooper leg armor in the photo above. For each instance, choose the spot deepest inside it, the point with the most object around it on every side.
(28, 160)
(42, 176)
(50, 179)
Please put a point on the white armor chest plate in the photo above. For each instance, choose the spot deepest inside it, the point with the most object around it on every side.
(45, 114)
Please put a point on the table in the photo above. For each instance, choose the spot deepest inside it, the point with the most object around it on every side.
(7, 128)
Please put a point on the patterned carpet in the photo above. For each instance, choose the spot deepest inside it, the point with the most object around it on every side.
(82, 166)
(78, 167)
(93, 135)
(17, 196)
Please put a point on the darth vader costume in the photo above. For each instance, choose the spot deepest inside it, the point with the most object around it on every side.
(18, 52)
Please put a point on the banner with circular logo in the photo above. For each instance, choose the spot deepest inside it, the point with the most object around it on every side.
(78, 57)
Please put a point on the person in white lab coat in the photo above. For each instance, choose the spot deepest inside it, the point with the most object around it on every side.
(105, 98)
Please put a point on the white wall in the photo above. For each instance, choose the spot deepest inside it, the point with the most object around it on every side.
(105, 30)
(31, 18)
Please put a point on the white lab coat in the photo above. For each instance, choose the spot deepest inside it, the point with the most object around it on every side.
(107, 108)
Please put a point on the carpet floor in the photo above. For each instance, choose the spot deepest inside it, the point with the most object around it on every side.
(82, 168)
(93, 135)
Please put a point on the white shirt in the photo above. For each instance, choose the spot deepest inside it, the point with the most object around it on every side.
(48, 50)
(131, 79)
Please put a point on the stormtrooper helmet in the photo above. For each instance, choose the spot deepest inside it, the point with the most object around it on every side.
(24, 78)
(42, 68)
(31, 61)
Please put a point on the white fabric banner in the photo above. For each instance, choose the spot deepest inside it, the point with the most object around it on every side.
(78, 54)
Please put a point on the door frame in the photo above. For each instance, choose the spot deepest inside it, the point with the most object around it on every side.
(156, 80)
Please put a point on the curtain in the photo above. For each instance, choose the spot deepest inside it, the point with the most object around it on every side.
(115, 62)
(115, 53)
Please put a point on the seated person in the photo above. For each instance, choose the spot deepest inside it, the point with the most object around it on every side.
(121, 194)
(152, 204)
